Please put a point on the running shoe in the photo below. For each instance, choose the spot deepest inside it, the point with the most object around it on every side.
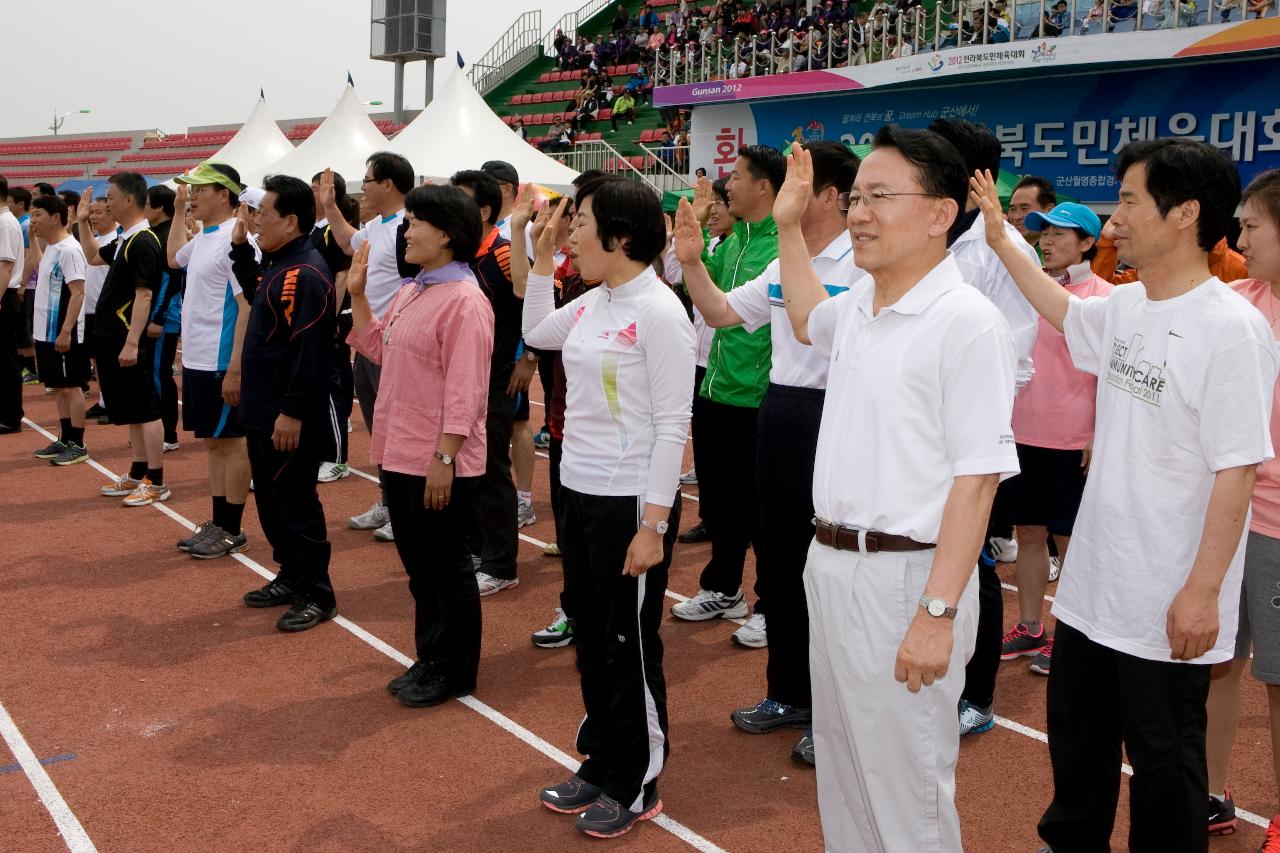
(752, 634)
(205, 530)
(1271, 844)
(212, 547)
(411, 675)
(372, 519)
(51, 452)
(572, 796)
(803, 751)
(975, 720)
(768, 715)
(556, 635)
(146, 494)
(432, 688)
(331, 472)
(124, 485)
(689, 478)
(708, 605)
(606, 818)
(170, 446)
(384, 533)
(97, 410)
(524, 514)
(71, 454)
(1040, 663)
(1021, 642)
(551, 549)
(273, 594)
(303, 615)
(1222, 814)
(1004, 550)
(29, 377)
(1055, 568)
(542, 439)
(697, 533)
(489, 584)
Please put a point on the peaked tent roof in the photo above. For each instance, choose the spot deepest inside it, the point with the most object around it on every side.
(458, 131)
(259, 142)
(343, 142)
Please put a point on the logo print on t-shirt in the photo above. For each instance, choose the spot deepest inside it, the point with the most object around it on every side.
(1130, 372)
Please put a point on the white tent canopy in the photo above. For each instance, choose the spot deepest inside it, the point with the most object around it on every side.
(342, 142)
(258, 143)
(458, 131)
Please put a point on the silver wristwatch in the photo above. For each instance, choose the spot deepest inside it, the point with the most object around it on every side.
(936, 607)
(443, 457)
(660, 528)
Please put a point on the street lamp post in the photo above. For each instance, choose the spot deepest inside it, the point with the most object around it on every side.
(58, 119)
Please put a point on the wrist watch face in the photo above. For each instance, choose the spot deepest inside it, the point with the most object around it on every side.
(937, 607)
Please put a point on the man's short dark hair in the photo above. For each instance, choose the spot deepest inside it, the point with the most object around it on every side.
(627, 209)
(131, 184)
(700, 172)
(53, 206)
(21, 196)
(451, 210)
(765, 163)
(234, 174)
(588, 176)
(976, 144)
(4, 188)
(485, 189)
(386, 166)
(293, 197)
(161, 197)
(44, 188)
(834, 165)
(1046, 195)
(1180, 170)
(939, 167)
(70, 197)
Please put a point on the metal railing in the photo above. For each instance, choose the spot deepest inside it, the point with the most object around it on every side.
(668, 168)
(656, 173)
(568, 24)
(514, 49)
(957, 23)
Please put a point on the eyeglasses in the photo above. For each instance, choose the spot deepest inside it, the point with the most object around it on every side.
(368, 180)
(873, 199)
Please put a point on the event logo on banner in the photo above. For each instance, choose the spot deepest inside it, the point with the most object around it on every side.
(1067, 130)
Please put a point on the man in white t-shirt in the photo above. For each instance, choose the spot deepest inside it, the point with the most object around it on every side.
(915, 436)
(58, 328)
(12, 321)
(387, 179)
(214, 316)
(1150, 592)
(104, 234)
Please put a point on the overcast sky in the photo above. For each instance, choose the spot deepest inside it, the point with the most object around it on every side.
(172, 65)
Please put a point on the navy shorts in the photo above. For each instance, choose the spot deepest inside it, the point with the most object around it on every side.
(68, 369)
(204, 412)
(1047, 493)
(128, 392)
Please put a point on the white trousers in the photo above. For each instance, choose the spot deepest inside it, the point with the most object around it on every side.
(886, 756)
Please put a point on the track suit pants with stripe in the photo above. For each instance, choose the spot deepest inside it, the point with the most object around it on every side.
(886, 756)
(624, 734)
(786, 443)
(11, 320)
(166, 386)
(494, 532)
(727, 486)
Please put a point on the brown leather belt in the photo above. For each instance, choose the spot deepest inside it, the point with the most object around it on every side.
(846, 539)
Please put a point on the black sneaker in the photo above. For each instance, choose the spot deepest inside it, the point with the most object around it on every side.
(50, 452)
(770, 715)
(1222, 814)
(803, 751)
(606, 818)
(412, 674)
(71, 454)
(272, 595)
(304, 615)
(432, 688)
(221, 544)
(204, 530)
(695, 534)
(556, 635)
(572, 796)
(97, 410)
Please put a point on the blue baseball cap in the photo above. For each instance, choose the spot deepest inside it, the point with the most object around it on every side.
(1069, 214)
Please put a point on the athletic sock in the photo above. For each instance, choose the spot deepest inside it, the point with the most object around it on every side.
(64, 429)
(138, 470)
(75, 435)
(156, 475)
(234, 514)
(220, 511)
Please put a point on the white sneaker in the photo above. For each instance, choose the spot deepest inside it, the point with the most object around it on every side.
(524, 514)
(170, 446)
(375, 517)
(752, 635)
(1055, 568)
(489, 584)
(689, 478)
(708, 605)
(332, 471)
(384, 533)
(1004, 550)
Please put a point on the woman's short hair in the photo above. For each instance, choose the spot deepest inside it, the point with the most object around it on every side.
(627, 210)
(452, 211)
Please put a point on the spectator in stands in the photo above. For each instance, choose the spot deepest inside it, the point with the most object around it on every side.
(1096, 15)
(567, 55)
(620, 18)
(638, 84)
(667, 149)
(1259, 8)
(699, 173)
(44, 188)
(624, 108)
(648, 20)
(1032, 194)
(587, 110)
(12, 258)
(1056, 21)
(859, 35)
(518, 127)
(1122, 10)
(560, 41)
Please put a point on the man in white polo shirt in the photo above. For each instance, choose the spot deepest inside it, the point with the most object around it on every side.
(215, 314)
(915, 436)
(387, 179)
(1150, 592)
(787, 434)
(12, 255)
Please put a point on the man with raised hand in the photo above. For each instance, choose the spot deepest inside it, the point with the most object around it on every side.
(1150, 593)
(787, 433)
(915, 436)
(214, 317)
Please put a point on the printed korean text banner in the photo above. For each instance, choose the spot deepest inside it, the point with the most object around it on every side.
(1067, 129)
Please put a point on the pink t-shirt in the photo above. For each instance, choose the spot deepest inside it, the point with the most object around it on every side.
(1266, 487)
(1056, 408)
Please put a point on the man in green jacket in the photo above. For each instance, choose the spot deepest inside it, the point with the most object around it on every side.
(729, 401)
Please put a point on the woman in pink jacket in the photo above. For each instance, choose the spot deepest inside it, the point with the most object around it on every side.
(434, 345)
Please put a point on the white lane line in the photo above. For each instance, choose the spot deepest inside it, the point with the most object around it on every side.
(68, 825)
(509, 725)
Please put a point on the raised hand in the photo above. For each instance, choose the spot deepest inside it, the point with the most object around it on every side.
(703, 197)
(358, 274)
(688, 235)
(180, 202)
(240, 231)
(326, 194)
(793, 198)
(983, 192)
(86, 202)
(546, 247)
(523, 211)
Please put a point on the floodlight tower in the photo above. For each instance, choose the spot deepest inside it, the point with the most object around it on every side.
(403, 31)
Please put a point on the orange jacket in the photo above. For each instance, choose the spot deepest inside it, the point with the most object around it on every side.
(1224, 262)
